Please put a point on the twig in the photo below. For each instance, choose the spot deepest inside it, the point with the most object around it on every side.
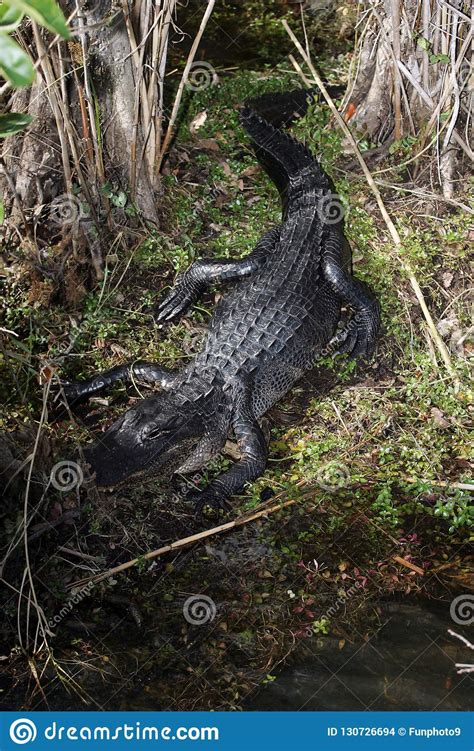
(408, 564)
(299, 70)
(461, 638)
(397, 105)
(42, 622)
(184, 78)
(444, 483)
(456, 11)
(80, 554)
(388, 221)
(424, 194)
(426, 33)
(184, 542)
(454, 84)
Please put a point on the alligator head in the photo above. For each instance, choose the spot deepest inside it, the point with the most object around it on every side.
(160, 435)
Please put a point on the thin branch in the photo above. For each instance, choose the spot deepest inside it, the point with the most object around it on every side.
(397, 104)
(184, 78)
(184, 542)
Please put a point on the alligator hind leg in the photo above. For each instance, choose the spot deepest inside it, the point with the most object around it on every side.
(358, 337)
(190, 285)
(140, 370)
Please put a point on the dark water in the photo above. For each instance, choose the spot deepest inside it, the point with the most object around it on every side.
(408, 665)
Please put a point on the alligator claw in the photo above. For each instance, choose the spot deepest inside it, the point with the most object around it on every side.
(179, 299)
(358, 338)
(207, 497)
(171, 308)
(71, 391)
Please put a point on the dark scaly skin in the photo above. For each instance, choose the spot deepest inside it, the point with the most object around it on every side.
(283, 311)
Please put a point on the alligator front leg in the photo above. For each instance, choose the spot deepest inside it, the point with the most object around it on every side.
(190, 285)
(358, 337)
(140, 370)
(254, 452)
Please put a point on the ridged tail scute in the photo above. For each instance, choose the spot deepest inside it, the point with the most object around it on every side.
(282, 157)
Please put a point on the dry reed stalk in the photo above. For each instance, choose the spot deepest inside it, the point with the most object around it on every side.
(141, 96)
(388, 221)
(159, 72)
(65, 128)
(184, 78)
(428, 100)
(184, 542)
(42, 623)
(7, 85)
(89, 99)
(397, 105)
(399, 79)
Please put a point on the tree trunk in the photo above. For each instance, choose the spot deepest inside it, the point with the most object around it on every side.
(87, 143)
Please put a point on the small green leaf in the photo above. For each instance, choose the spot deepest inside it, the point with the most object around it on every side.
(439, 58)
(423, 43)
(119, 200)
(15, 65)
(2, 213)
(9, 17)
(13, 122)
(45, 12)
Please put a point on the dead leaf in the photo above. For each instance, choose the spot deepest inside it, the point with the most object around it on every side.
(447, 279)
(198, 121)
(439, 418)
(250, 171)
(210, 144)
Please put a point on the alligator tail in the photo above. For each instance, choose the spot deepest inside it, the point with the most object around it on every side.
(282, 156)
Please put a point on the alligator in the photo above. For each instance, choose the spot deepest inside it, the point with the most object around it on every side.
(283, 312)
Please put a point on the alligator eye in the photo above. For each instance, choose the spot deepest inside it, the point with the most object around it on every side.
(156, 433)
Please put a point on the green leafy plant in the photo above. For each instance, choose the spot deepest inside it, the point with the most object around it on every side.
(15, 64)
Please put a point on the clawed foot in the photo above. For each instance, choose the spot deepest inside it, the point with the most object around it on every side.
(176, 302)
(358, 338)
(207, 497)
(72, 392)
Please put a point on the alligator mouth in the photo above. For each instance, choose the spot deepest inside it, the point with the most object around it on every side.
(104, 468)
